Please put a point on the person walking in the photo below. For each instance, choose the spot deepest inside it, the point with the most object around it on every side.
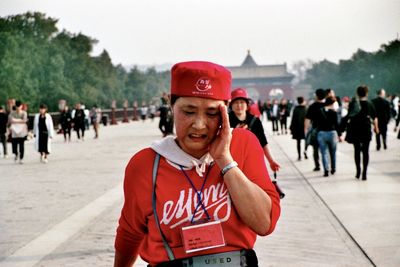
(382, 109)
(275, 116)
(283, 115)
(313, 117)
(358, 131)
(78, 117)
(166, 122)
(43, 130)
(152, 110)
(191, 198)
(3, 130)
(297, 126)
(95, 118)
(397, 125)
(241, 117)
(66, 123)
(328, 135)
(17, 119)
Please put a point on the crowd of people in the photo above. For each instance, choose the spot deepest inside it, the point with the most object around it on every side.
(14, 128)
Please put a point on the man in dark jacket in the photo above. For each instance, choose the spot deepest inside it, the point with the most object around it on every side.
(382, 108)
(314, 116)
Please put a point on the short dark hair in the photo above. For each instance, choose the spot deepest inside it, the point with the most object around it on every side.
(18, 103)
(329, 101)
(320, 93)
(362, 90)
(300, 100)
(43, 106)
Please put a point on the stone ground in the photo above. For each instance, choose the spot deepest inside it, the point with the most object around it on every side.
(64, 213)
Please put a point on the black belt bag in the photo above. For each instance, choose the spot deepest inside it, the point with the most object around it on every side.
(243, 258)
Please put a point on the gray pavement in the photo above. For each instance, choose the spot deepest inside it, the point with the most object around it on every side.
(64, 213)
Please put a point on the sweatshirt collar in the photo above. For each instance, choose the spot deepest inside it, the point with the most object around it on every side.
(175, 156)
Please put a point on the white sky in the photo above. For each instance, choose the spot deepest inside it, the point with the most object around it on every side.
(276, 31)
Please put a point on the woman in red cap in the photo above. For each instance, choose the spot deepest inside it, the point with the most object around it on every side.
(203, 196)
(240, 117)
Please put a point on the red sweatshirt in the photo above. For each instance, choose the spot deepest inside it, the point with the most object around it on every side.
(176, 200)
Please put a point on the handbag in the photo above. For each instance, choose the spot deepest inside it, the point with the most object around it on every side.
(311, 137)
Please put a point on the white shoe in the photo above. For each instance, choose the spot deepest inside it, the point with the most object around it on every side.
(45, 161)
(41, 158)
(21, 162)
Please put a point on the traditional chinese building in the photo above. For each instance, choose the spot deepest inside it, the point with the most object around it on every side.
(262, 81)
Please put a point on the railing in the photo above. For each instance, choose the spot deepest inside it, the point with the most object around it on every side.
(119, 115)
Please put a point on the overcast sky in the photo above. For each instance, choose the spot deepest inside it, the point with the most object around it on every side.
(275, 31)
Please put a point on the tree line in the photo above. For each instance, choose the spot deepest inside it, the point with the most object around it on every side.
(41, 64)
(379, 69)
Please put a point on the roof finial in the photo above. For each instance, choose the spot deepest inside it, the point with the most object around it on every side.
(249, 61)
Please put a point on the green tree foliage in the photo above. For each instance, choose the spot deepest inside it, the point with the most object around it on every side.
(380, 69)
(40, 64)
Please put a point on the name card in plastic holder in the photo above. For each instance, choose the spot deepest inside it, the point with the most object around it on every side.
(202, 236)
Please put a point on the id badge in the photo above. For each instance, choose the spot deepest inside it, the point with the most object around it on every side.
(202, 236)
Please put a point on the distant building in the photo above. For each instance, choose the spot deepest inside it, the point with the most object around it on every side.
(262, 81)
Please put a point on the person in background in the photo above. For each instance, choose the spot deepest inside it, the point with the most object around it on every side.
(283, 115)
(359, 132)
(66, 123)
(382, 109)
(313, 117)
(78, 117)
(152, 110)
(330, 93)
(17, 119)
(3, 130)
(253, 109)
(267, 107)
(297, 125)
(240, 117)
(95, 118)
(328, 135)
(143, 110)
(397, 125)
(43, 131)
(87, 117)
(275, 116)
(209, 178)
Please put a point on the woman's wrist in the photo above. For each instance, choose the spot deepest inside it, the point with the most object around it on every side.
(228, 167)
(223, 162)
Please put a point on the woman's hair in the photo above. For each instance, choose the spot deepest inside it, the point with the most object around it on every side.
(330, 100)
(18, 103)
(43, 106)
(362, 91)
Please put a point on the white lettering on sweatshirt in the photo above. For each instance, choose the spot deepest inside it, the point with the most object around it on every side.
(214, 197)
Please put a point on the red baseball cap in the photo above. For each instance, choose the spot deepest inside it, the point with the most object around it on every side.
(201, 79)
(239, 93)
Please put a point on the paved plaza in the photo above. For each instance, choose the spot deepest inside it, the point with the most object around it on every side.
(65, 213)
